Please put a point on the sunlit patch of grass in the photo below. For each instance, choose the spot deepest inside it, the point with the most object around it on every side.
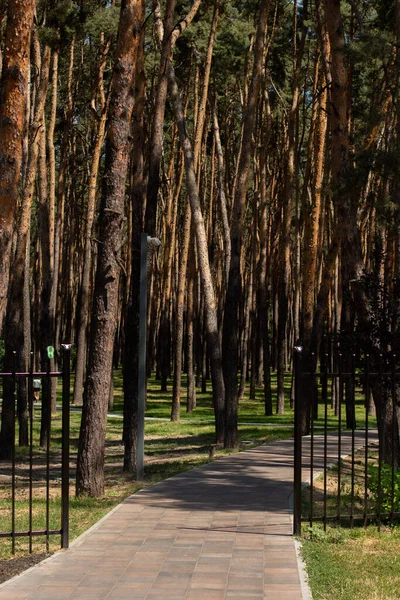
(358, 564)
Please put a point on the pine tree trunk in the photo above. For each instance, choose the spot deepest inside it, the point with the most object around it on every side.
(81, 338)
(164, 334)
(284, 245)
(222, 198)
(204, 266)
(13, 103)
(311, 227)
(131, 348)
(230, 337)
(191, 382)
(180, 303)
(90, 463)
(187, 223)
(57, 294)
(16, 320)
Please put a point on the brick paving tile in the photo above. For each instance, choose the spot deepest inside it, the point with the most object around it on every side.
(78, 594)
(118, 594)
(283, 596)
(218, 532)
(166, 594)
(52, 595)
(245, 595)
(208, 585)
(205, 595)
(82, 591)
(17, 595)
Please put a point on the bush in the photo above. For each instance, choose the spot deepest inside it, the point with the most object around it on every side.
(386, 488)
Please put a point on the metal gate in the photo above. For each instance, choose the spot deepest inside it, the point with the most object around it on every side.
(342, 473)
(26, 461)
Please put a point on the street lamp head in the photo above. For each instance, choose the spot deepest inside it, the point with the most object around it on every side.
(153, 241)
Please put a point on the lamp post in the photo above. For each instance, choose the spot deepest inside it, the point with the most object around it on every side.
(145, 242)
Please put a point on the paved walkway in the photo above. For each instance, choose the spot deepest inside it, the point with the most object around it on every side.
(218, 532)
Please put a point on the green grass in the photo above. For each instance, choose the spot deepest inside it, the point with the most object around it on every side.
(358, 564)
(344, 563)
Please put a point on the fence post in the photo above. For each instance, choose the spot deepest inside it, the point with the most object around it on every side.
(142, 357)
(13, 475)
(66, 377)
(297, 362)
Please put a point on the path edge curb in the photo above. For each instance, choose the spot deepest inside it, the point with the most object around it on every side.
(301, 565)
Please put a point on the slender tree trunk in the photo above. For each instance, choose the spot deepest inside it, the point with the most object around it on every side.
(13, 103)
(351, 252)
(262, 294)
(57, 293)
(131, 353)
(311, 229)
(204, 266)
(164, 334)
(15, 319)
(230, 338)
(87, 259)
(284, 246)
(90, 471)
(180, 304)
(245, 342)
(187, 224)
(191, 381)
(222, 197)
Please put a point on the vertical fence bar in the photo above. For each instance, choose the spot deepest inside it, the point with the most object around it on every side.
(393, 434)
(48, 460)
(325, 401)
(381, 435)
(13, 481)
(66, 381)
(30, 402)
(341, 385)
(297, 442)
(313, 412)
(367, 397)
(353, 426)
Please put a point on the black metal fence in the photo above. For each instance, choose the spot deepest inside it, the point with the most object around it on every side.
(30, 458)
(346, 462)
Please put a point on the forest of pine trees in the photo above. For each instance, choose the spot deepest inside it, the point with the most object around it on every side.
(258, 140)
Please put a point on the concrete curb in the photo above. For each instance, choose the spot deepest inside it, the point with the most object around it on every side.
(305, 588)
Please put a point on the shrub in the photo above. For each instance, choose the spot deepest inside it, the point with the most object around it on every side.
(386, 488)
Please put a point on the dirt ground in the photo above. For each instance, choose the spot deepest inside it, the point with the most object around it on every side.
(10, 568)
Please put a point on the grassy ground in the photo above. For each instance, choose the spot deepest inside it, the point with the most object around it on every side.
(344, 563)
(358, 564)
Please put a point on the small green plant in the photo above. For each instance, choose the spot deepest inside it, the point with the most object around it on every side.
(333, 535)
(388, 488)
(316, 534)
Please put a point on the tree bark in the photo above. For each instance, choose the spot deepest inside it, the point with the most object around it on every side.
(81, 338)
(187, 224)
(16, 318)
(90, 463)
(13, 103)
(131, 347)
(204, 265)
(284, 242)
(230, 337)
